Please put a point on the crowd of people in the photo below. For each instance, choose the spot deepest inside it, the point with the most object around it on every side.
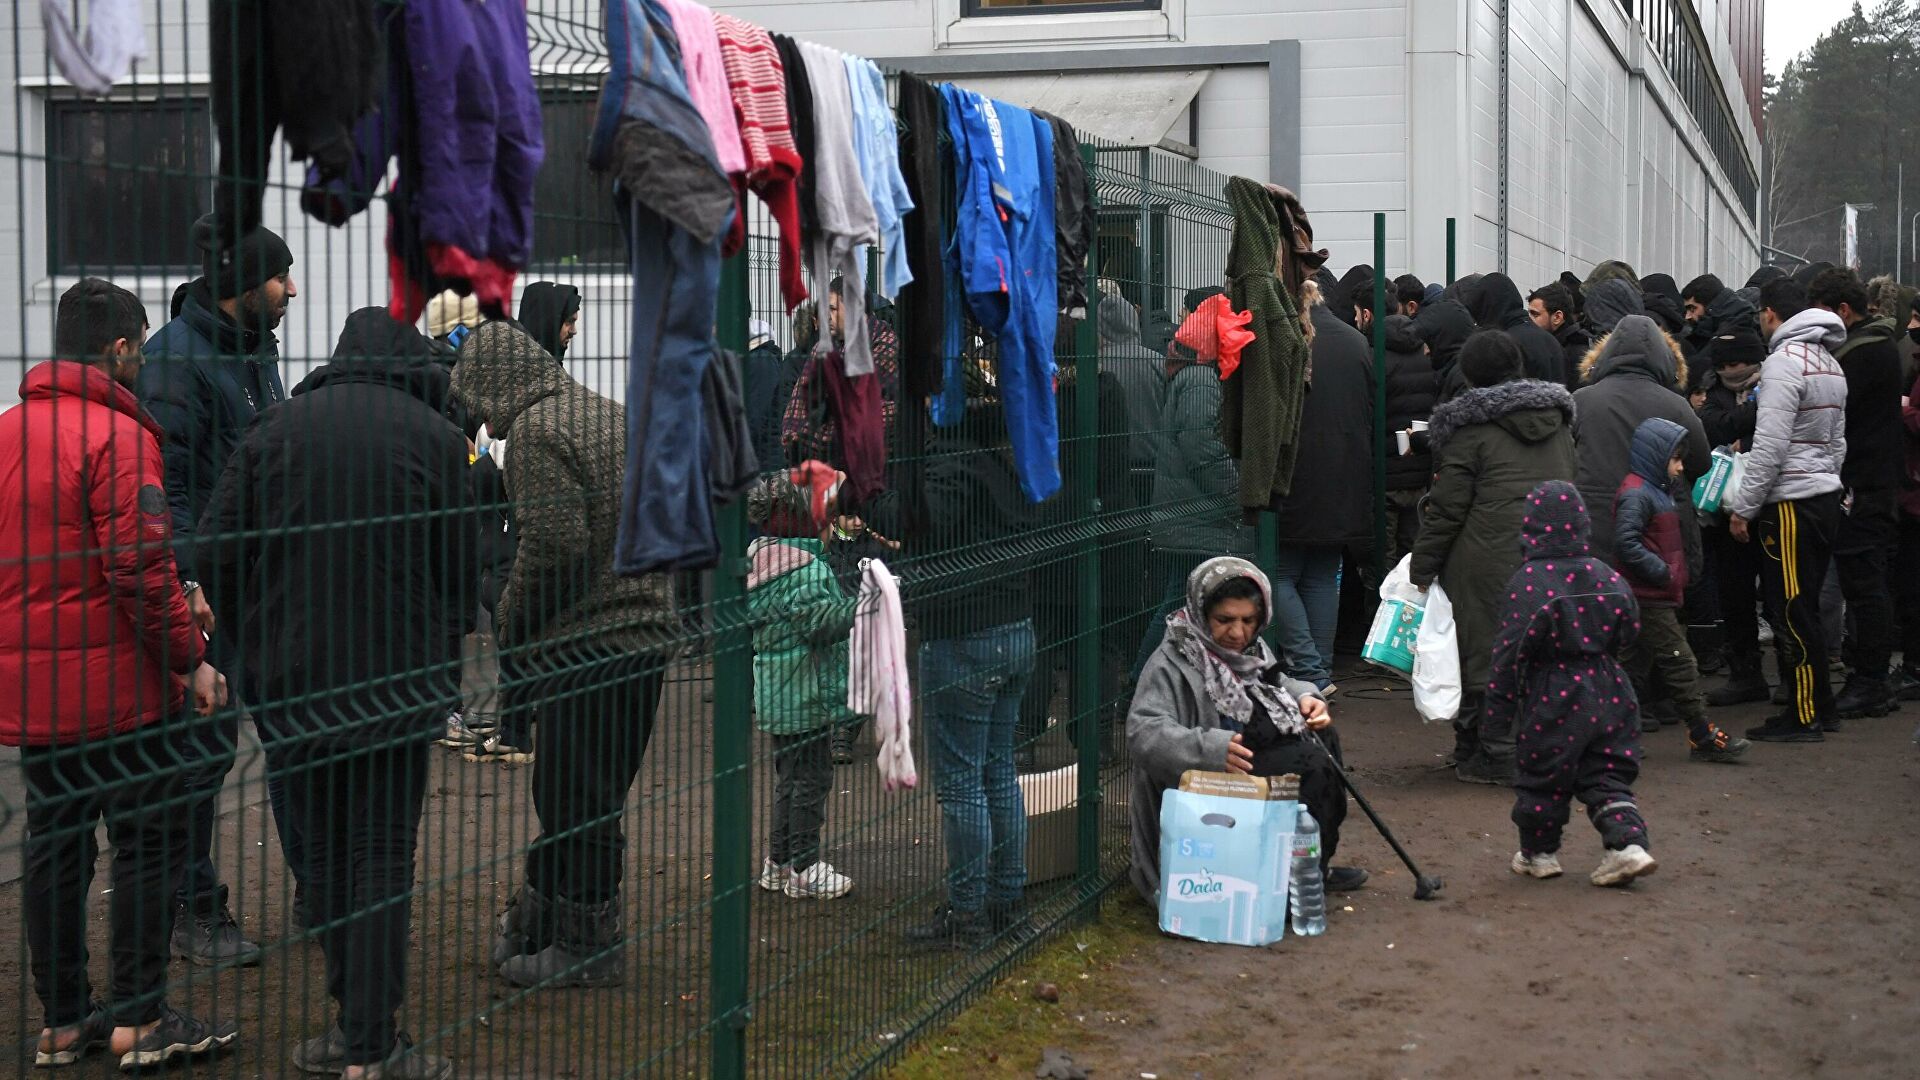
(193, 544)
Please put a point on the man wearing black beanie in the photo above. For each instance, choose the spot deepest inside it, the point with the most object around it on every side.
(209, 372)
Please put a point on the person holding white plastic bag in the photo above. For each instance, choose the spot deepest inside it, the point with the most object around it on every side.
(1491, 445)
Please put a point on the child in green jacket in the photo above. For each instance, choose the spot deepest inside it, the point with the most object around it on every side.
(801, 623)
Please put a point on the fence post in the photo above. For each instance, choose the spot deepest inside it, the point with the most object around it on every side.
(1452, 238)
(1380, 398)
(732, 745)
(1086, 653)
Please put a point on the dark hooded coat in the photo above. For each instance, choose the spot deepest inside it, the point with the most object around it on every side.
(1495, 304)
(545, 307)
(1445, 326)
(1631, 374)
(1491, 447)
(1412, 391)
(1329, 504)
(1648, 545)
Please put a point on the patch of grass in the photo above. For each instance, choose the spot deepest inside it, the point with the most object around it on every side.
(1003, 1032)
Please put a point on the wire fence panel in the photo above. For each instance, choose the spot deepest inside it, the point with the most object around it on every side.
(473, 804)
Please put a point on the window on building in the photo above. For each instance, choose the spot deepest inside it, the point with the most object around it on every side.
(1042, 7)
(125, 182)
(574, 222)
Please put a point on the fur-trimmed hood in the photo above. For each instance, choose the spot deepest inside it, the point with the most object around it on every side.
(1528, 408)
(1638, 346)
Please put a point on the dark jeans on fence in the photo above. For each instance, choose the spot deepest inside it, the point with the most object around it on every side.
(359, 811)
(134, 782)
(972, 687)
(803, 777)
(595, 720)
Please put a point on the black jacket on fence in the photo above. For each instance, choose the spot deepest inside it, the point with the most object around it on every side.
(1413, 389)
(341, 554)
(1331, 503)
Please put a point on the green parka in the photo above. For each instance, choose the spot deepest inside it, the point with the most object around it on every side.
(1491, 447)
(802, 620)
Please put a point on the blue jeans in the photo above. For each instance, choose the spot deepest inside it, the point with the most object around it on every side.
(1306, 610)
(973, 686)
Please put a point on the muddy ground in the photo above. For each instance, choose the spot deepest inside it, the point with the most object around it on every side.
(1779, 938)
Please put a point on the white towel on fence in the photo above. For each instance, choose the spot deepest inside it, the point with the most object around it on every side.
(877, 683)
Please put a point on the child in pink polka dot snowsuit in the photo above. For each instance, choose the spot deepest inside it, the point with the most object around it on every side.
(1566, 616)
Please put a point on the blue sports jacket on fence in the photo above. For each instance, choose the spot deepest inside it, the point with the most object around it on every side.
(1004, 258)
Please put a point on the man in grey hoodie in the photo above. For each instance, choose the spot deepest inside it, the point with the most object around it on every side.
(1789, 501)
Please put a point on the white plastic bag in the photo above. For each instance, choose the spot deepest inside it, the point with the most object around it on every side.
(1436, 660)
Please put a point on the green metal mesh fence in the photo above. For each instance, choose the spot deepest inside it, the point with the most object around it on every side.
(390, 652)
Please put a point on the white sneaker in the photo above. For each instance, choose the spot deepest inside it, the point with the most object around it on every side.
(773, 876)
(818, 882)
(494, 749)
(1538, 866)
(460, 734)
(1621, 867)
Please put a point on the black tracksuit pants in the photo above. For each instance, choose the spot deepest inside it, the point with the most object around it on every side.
(1868, 538)
(135, 781)
(1796, 541)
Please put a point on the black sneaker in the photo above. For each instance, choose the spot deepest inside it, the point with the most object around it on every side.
(1345, 878)
(80, 1040)
(178, 1035)
(324, 1054)
(211, 939)
(1740, 689)
(1863, 698)
(1717, 748)
(950, 929)
(1909, 684)
(1483, 768)
(842, 750)
(406, 1063)
(1649, 723)
(1784, 730)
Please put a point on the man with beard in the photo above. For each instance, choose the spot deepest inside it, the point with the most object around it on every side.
(208, 373)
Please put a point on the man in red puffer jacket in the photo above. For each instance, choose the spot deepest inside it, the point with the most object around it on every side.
(96, 637)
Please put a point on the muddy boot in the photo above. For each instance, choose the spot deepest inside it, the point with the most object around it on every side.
(1466, 740)
(1865, 696)
(1493, 762)
(525, 927)
(589, 949)
(1744, 683)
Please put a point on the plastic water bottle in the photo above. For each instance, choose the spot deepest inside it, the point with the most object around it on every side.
(1308, 894)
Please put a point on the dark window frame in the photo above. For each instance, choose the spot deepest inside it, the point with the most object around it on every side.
(978, 9)
(162, 186)
(584, 211)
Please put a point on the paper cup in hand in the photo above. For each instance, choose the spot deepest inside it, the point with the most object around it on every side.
(1400, 439)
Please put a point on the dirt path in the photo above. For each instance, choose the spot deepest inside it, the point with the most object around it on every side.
(1779, 938)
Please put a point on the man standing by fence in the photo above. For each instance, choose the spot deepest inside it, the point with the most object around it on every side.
(95, 642)
(341, 544)
(209, 372)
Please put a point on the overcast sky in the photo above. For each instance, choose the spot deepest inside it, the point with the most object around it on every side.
(1794, 25)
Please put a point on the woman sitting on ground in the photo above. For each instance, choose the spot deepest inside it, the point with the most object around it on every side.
(1213, 698)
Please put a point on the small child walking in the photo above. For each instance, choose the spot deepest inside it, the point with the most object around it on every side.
(1572, 707)
(802, 620)
(1648, 551)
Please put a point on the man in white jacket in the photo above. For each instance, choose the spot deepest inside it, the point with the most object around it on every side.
(1790, 499)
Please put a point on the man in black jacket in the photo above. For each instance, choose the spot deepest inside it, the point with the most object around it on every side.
(1551, 308)
(1870, 529)
(1329, 509)
(340, 545)
(1495, 304)
(209, 372)
(1729, 409)
(1412, 391)
(1712, 309)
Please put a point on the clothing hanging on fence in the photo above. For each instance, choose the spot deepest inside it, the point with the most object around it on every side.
(773, 163)
(648, 134)
(308, 71)
(466, 126)
(705, 71)
(732, 462)
(116, 39)
(677, 206)
(922, 118)
(876, 145)
(878, 673)
(793, 69)
(1260, 407)
(1004, 256)
(1073, 223)
(840, 199)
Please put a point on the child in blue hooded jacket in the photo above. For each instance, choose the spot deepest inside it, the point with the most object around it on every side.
(1649, 552)
(1555, 679)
